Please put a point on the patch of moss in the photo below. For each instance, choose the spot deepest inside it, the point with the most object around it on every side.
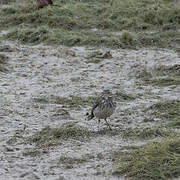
(3, 63)
(32, 152)
(168, 70)
(169, 109)
(95, 61)
(169, 75)
(13, 139)
(18, 135)
(144, 74)
(54, 136)
(168, 81)
(123, 96)
(28, 35)
(74, 101)
(146, 133)
(128, 38)
(70, 162)
(106, 132)
(156, 160)
(164, 75)
(175, 123)
(41, 99)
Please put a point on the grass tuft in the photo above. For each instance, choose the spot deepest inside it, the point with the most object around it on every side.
(54, 136)
(75, 101)
(123, 96)
(168, 70)
(156, 160)
(167, 110)
(28, 35)
(72, 101)
(166, 81)
(175, 123)
(161, 75)
(70, 162)
(147, 133)
(170, 75)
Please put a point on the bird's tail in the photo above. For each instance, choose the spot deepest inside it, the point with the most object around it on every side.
(89, 116)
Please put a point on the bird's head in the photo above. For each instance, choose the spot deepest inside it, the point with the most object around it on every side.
(107, 93)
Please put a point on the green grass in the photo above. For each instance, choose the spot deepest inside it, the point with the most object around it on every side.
(155, 160)
(54, 136)
(28, 35)
(169, 75)
(116, 15)
(75, 101)
(175, 123)
(168, 70)
(48, 136)
(160, 76)
(167, 110)
(72, 23)
(168, 81)
(122, 96)
(72, 101)
(43, 34)
(147, 133)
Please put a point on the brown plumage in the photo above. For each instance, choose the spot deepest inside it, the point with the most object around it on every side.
(43, 3)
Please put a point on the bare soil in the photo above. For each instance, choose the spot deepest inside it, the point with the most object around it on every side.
(37, 74)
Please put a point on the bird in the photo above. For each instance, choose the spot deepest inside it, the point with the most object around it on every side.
(103, 108)
(43, 3)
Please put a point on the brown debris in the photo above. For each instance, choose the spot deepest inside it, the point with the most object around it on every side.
(43, 3)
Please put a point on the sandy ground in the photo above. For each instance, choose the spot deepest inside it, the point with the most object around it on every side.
(42, 72)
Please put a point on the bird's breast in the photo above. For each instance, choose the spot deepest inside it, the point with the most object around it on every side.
(103, 113)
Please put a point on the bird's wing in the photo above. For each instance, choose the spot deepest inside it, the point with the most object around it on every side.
(96, 104)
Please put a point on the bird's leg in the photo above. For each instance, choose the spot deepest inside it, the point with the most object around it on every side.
(108, 124)
(98, 124)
